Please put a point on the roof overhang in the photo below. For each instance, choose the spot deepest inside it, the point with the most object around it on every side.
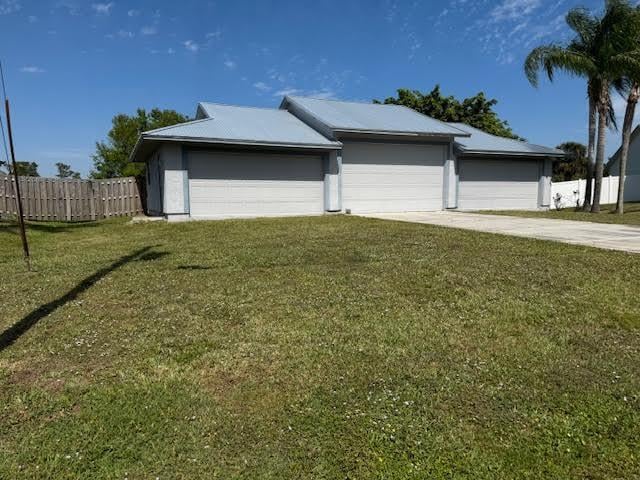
(396, 133)
(147, 144)
(502, 154)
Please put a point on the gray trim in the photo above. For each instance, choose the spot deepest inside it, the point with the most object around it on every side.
(449, 184)
(326, 182)
(457, 165)
(445, 179)
(399, 133)
(186, 185)
(339, 162)
(540, 182)
(498, 153)
(222, 141)
(392, 140)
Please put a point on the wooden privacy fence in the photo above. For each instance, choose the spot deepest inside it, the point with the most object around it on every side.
(71, 200)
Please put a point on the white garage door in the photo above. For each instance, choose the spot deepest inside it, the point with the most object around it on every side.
(379, 177)
(223, 185)
(498, 184)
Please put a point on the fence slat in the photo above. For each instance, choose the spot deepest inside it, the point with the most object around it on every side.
(71, 200)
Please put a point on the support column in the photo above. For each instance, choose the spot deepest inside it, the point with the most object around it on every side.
(450, 180)
(333, 181)
(544, 185)
(176, 183)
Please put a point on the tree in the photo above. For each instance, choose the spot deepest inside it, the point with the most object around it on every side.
(476, 111)
(630, 110)
(27, 169)
(577, 166)
(597, 54)
(112, 157)
(64, 171)
(629, 84)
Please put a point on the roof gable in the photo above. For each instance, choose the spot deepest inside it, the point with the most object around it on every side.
(342, 116)
(244, 125)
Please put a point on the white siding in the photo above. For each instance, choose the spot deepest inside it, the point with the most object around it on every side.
(224, 185)
(487, 184)
(380, 177)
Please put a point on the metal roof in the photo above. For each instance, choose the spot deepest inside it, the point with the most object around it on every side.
(245, 125)
(343, 116)
(484, 143)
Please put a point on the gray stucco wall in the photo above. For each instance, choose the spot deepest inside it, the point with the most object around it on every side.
(154, 185)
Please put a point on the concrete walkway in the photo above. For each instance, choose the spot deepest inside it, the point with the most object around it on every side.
(600, 235)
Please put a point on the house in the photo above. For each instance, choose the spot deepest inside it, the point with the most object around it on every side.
(632, 179)
(312, 156)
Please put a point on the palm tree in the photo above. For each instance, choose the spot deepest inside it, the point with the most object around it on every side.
(629, 84)
(632, 101)
(577, 58)
(593, 54)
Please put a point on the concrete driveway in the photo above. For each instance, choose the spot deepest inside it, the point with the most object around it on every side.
(600, 235)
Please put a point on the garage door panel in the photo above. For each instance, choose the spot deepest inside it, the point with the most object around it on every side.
(392, 178)
(498, 184)
(249, 185)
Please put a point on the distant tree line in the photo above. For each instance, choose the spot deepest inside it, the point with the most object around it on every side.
(30, 169)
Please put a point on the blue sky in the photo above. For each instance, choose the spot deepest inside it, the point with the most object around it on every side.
(72, 65)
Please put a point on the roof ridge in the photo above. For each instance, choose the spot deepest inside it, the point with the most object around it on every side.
(354, 102)
(270, 109)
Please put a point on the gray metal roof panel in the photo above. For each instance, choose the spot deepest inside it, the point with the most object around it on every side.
(246, 124)
(482, 142)
(371, 117)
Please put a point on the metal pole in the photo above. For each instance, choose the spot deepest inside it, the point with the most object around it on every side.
(23, 232)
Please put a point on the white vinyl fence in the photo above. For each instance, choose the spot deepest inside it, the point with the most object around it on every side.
(569, 194)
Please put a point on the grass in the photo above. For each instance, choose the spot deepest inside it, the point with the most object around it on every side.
(328, 347)
(631, 214)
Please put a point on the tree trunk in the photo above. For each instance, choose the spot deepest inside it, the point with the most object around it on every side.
(630, 111)
(603, 111)
(591, 149)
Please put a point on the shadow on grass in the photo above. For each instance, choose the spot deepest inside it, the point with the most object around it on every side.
(58, 227)
(13, 333)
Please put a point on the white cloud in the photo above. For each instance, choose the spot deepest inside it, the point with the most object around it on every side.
(148, 30)
(513, 9)
(323, 93)
(287, 91)
(169, 51)
(125, 34)
(216, 34)
(102, 8)
(32, 69)
(230, 64)
(191, 46)
(9, 6)
(263, 87)
(32, 19)
(133, 13)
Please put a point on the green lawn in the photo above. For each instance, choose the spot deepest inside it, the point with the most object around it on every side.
(331, 347)
(631, 214)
